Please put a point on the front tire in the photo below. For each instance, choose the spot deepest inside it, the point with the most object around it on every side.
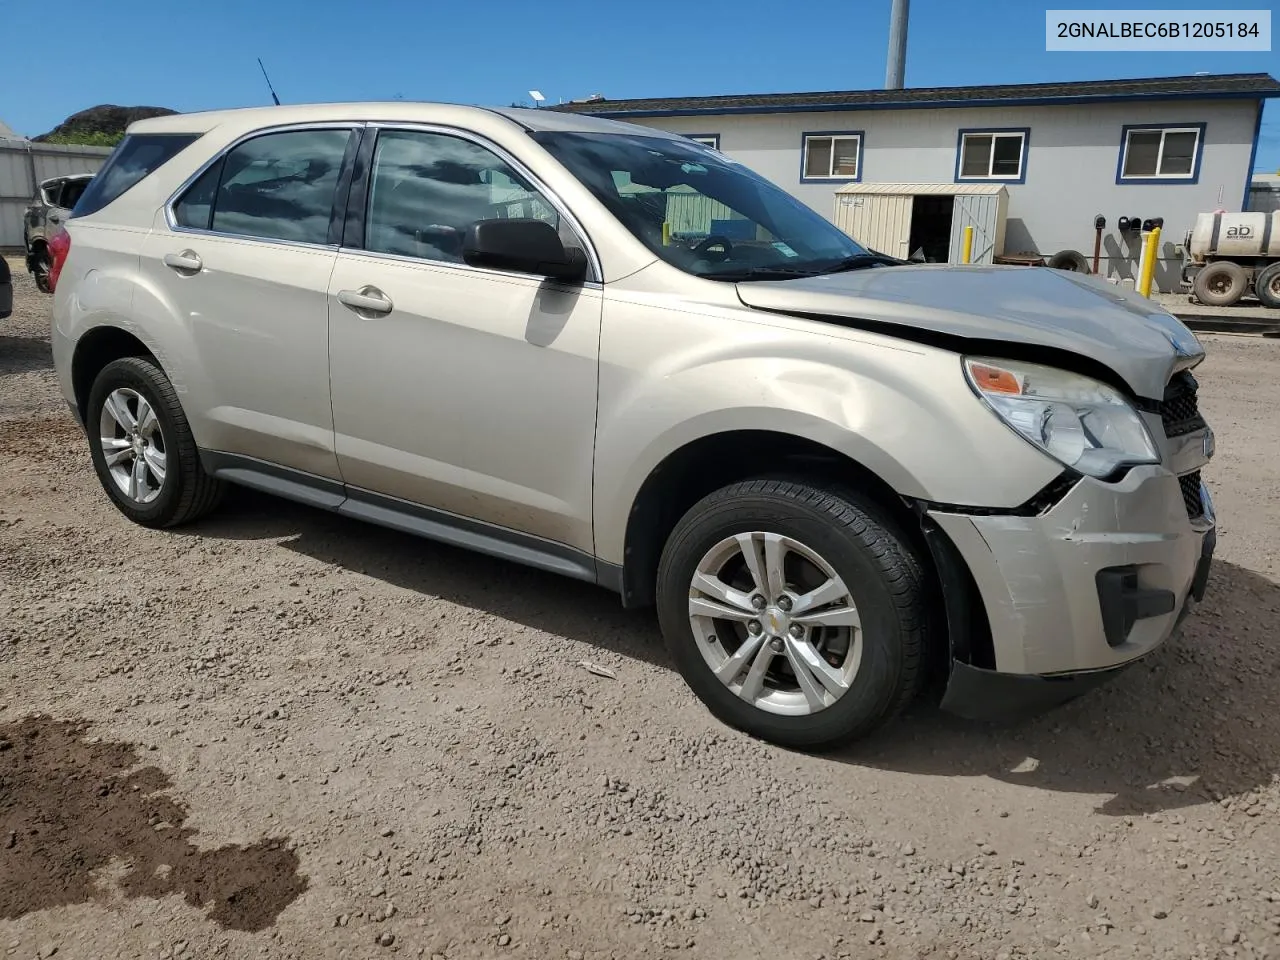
(796, 613)
(142, 447)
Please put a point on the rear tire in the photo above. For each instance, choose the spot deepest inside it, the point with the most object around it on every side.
(40, 272)
(1072, 261)
(143, 450)
(1266, 286)
(1220, 284)
(862, 675)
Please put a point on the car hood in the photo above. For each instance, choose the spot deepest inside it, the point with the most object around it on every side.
(1033, 306)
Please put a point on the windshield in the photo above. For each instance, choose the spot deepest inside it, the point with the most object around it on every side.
(703, 212)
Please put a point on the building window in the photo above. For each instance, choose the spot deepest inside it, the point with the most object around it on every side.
(1161, 153)
(711, 140)
(993, 155)
(832, 156)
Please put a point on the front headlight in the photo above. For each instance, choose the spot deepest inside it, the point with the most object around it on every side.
(1082, 423)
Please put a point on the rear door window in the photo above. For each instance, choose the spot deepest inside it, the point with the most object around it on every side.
(279, 186)
(136, 157)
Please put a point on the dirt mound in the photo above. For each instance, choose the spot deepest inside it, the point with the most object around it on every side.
(105, 119)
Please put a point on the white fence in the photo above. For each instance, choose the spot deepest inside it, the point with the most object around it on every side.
(23, 164)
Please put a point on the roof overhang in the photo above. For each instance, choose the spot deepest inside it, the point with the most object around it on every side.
(1254, 87)
(714, 111)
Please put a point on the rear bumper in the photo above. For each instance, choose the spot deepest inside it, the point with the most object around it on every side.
(1095, 583)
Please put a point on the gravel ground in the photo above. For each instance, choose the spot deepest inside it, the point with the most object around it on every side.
(1181, 304)
(285, 734)
(1248, 308)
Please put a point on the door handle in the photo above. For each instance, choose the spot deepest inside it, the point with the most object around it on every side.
(185, 262)
(367, 299)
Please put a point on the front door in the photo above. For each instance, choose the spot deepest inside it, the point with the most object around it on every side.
(466, 390)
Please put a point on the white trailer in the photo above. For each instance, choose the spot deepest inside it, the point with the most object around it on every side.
(1227, 254)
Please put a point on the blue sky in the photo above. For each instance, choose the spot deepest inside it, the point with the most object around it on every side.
(493, 52)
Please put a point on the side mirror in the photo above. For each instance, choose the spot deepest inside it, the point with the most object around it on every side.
(523, 246)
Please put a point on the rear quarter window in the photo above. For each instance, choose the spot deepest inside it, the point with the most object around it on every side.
(137, 157)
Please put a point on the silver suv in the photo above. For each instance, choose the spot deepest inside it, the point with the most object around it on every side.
(620, 355)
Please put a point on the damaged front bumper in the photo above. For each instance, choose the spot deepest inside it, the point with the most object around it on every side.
(1071, 595)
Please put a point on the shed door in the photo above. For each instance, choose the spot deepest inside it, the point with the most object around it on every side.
(881, 222)
(979, 211)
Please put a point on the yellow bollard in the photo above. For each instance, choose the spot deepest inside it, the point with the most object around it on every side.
(666, 233)
(1150, 249)
(966, 251)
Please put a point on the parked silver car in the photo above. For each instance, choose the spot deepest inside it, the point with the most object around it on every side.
(52, 205)
(620, 355)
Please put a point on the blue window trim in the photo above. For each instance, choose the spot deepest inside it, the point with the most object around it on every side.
(804, 141)
(705, 136)
(994, 131)
(1253, 156)
(1192, 180)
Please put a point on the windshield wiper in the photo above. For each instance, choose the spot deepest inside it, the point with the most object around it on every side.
(860, 261)
(857, 261)
(759, 273)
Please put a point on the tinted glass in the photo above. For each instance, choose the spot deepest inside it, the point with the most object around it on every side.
(196, 206)
(71, 193)
(135, 157)
(1007, 161)
(428, 188)
(976, 161)
(1140, 157)
(1179, 154)
(699, 210)
(280, 186)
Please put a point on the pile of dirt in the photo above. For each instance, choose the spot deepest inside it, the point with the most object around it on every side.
(107, 120)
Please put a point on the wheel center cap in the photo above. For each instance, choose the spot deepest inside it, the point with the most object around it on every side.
(776, 621)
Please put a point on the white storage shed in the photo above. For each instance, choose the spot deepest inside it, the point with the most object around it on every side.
(898, 218)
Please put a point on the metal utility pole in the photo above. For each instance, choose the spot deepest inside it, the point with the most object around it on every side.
(897, 65)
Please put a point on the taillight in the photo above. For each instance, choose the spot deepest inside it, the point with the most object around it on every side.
(59, 247)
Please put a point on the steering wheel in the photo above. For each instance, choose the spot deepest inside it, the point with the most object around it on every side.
(722, 247)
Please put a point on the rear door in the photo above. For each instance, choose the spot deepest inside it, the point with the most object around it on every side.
(241, 264)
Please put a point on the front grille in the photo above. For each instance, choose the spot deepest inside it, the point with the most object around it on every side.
(1180, 410)
(1190, 484)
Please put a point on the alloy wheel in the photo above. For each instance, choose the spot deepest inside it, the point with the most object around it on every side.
(133, 445)
(775, 623)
